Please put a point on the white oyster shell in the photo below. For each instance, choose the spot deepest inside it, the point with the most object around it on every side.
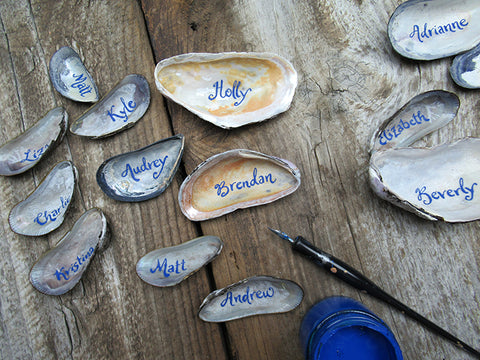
(26, 150)
(120, 109)
(253, 296)
(44, 210)
(439, 183)
(433, 29)
(465, 69)
(169, 266)
(228, 89)
(70, 77)
(62, 267)
(420, 116)
(236, 179)
(141, 174)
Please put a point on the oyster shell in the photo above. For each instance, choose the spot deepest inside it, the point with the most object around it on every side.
(44, 209)
(465, 69)
(62, 267)
(438, 183)
(26, 150)
(70, 77)
(420, 116)
(228, 89)
(141, 174)
(169, 266)
(236, 179)
(253, 296)
(120, 109)
(427, 30)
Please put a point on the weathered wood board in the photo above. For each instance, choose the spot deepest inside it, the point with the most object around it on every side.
(350, 81)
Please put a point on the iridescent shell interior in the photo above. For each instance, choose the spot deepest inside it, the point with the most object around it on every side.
(233, 180)
(141, 174)
(118, 110)
(62, 267)
(465, 69)
(427, 30)
(253, 296)
(26, 150)
(228, 89)
(422, 115)
(70, 77)
(44, 210)
(171, 265)
(439, 183)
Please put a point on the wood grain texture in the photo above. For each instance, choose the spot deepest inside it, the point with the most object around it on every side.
(350, 81)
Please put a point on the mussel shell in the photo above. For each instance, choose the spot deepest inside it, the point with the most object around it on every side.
(62, 267)
(422, 115)
(465, 69)
(120, 109)
(44, 209)
(141, 174)
(439, 183)
(70, 77)
(433, 29)
(236, 179)
(169, 266)
(26, 150)
(228, 89)
(253, 296)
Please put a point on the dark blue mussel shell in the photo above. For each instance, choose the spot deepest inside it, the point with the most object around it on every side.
(141, 174)
(465, 69)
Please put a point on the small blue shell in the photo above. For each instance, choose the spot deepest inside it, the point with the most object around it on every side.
(70, 77)
(465, 69)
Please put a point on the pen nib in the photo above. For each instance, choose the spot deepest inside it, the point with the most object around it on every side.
(282, 235)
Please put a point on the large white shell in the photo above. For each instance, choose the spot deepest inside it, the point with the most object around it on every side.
(120, 109)
(169, 266)
(44, 210)
(253, 296)
(26, 150)
(439, 183)
(465, 69)
(70, 77)
(420, 116)
(433, 29)
(62, 267)
(228, 89)
(236, 179)
(141, 174)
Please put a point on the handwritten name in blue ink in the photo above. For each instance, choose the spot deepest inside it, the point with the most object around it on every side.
(439, 30)
(223, 189)
(127, 109)
(34, 154)
(145, 166)
(167, 269)
(51, 215)
(80, 84)
(248, 297)
(428, 197)
(395, 131)
(234, 92)
(66, 273)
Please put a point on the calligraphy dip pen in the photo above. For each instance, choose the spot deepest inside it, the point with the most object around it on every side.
(353, 277)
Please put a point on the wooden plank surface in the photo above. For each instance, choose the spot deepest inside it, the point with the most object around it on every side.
(350, 80)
